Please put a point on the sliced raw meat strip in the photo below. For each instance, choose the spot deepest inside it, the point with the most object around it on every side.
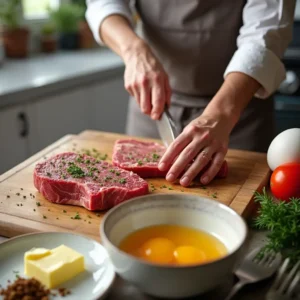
(143, 158)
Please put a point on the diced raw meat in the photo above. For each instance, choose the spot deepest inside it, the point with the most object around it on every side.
(143, 158)
(76, 179)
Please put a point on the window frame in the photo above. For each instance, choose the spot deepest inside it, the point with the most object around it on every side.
(39, 20)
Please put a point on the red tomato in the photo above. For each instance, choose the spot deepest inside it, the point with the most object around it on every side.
(285, 181)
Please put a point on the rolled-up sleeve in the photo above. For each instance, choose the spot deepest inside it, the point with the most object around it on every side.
(262, 41)
(98, 10)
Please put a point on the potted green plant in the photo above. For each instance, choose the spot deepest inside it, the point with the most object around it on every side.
(66, 19)
(15, 36)
(48, 39)
(86, 38)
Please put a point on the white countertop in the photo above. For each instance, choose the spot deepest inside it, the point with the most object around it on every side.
(26, 79)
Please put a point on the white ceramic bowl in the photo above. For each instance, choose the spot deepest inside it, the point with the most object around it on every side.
(188, 210)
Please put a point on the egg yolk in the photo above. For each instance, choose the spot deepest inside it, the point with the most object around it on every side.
(158, 250)
(188, 255)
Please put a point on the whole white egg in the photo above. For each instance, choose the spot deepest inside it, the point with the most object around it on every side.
(285, 148)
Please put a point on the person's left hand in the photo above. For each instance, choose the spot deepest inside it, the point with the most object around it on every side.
(204, 139)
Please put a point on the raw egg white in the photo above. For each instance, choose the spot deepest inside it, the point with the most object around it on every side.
(285, 148)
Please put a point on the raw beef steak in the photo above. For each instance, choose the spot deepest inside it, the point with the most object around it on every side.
(76, 179)
(143, 158)
(139, 157)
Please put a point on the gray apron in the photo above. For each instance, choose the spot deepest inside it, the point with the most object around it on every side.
(195, 41)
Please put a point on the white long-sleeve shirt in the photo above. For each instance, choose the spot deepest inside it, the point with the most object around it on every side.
(262, 41)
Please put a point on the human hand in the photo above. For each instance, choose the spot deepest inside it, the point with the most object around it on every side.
(146, 80)
(203, 141)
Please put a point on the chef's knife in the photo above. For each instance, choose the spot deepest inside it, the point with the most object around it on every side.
(167, 128)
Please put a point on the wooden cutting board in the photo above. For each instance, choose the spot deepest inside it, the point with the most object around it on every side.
(24, 210)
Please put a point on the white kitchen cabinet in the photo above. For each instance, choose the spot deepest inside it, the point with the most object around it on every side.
(26, 129)
(14, 130)
(98, 106)
(109, 106)
(57, 115)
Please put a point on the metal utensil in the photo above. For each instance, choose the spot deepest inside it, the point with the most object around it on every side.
(167, 128)
(255, 268)
(285, 282)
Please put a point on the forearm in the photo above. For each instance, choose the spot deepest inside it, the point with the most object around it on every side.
(232, 98)
(118, 35)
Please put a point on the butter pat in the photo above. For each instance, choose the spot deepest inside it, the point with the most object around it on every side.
(53, 267)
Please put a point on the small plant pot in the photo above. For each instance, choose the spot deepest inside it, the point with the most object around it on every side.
(16, 42)
(86, 38)
(48, 44)
(68, 41)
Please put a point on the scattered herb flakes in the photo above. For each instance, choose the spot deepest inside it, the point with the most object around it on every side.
(49, 174)
(139, 162)
(182, 191)
(118, 173)
(18, 204)
(21, 189)
(203, 187)
(98, 215)
(7, 196)
(122, 180)
(89, 216)
(38, 204)
(163, 186)
(103, 157)
(18, 194)
(77, 216)
(21, 204)
(24, 197)
(155, 156)
(214, 195)
(112, 171)
(107, 178)
(44, 217)
(79, 159)
(87, 161)
(90, 222)
(170, 188)
(34, 209)
(64, 211)
(75, 171)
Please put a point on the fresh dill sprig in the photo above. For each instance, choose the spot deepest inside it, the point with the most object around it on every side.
(282, 220)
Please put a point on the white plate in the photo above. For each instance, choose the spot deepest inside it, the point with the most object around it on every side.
(92, 284)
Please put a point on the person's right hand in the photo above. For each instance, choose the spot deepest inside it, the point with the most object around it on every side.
(146, 80)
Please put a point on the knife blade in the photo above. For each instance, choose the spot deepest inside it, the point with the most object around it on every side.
(167, 128)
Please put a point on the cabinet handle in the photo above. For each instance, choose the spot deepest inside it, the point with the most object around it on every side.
(24, 125)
